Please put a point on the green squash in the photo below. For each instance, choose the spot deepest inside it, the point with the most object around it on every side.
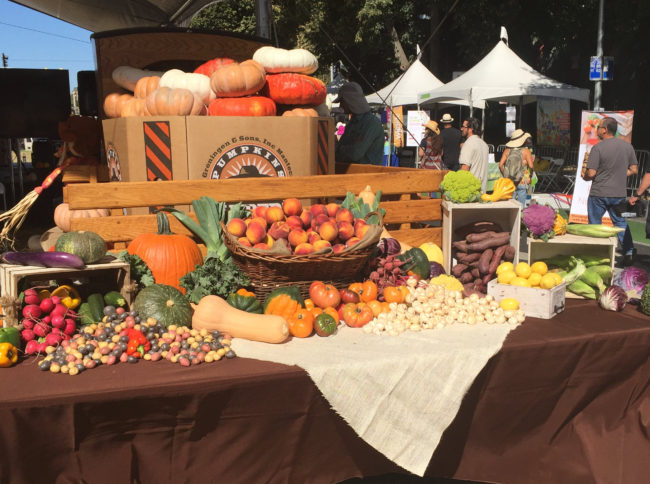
(165, 304)
(85, 244)
(416, 261)
(250, 304)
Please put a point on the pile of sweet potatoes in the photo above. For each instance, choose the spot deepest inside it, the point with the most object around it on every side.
(479, 249)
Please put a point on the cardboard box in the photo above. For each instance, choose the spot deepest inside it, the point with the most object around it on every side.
(535, 302)
(506, 213)
(570, 244)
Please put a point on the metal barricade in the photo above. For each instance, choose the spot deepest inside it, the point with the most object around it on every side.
(633, 182)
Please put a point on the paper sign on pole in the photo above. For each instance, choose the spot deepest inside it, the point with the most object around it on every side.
(588, 138)
(397, 121)
(415, 125)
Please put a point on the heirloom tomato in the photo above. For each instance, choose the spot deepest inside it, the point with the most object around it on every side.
(357, 315)
(324, 295)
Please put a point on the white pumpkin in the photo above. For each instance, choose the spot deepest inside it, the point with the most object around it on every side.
(277, 60)
(127, 76)
(197, 83)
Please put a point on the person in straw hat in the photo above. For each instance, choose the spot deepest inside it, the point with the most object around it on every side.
(430, 151)
(517, 164)
(451, 137)
(363, 138)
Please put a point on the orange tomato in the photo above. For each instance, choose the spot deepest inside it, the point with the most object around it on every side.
(375, 307)
(332, 312)
(315, 311)
(357, 315)
(309, 304)
(301, 323)
(324, 295)
(369, 291)
(404, 290)
(356, 287)
(245, 292)
(393, 294)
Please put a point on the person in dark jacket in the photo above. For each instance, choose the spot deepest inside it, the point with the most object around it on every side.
(450, 143)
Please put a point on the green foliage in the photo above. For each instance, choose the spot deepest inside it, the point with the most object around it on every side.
(214, 276)
(360, 209)
(140, 272)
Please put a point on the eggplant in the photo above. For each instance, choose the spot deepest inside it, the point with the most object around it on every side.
(44, 259)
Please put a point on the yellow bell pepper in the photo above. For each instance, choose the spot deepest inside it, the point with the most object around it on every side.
(69, 296)
(8, 355)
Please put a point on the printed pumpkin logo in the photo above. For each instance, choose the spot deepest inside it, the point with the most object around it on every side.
(113, 163)
(248, 160)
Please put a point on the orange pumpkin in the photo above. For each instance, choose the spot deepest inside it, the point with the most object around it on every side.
(301, 112)
(291, 88)
(236, 80)
(242, 106)
(146, 85)
(207, 68)
(114, 102)
(134, 107)
(169, 256)
(167, 101)
(63, 215)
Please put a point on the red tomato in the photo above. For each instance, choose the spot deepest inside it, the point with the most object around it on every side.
(357, 315)
(324, 295)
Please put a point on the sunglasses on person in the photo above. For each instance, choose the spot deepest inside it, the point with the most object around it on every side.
(464, 126)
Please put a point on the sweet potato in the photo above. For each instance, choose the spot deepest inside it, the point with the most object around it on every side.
(476, 272)
(466, 277)
(484, 261)
(468, 290)
(477, 227)
(465, 258)
(458, 269)
(460, 245)
(500, 238)
(496, 258)
(471, 238)
(509, 254)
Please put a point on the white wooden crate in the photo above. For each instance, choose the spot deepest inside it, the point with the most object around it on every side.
(535, 302)
(506, 213)
(570, 244)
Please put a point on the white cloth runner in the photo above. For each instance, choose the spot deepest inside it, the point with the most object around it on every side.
(398, 393)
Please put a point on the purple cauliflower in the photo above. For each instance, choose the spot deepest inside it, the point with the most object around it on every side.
(539, 220)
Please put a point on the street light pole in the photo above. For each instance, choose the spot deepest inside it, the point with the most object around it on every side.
(599, 53)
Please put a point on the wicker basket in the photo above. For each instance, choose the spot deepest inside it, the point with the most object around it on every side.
(270, 271)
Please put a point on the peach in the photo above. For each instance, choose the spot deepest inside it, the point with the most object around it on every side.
(297, 237)
(261, 245)
(236, 227)
(337, 248)
(294, 222)
(317, 208)
(306, 216)
(274, 214)
(269, 240)
(319, 219)
(292, 206)
(346, 230)
(360, 228)
(279, 230)
(332, 208)
(345, 215)
(244, 241)
(313, 236)
(351, 241)
(303, 249)
(328, 231)
(320, 245)
(259, 220)
(259, 211)
(255, 232)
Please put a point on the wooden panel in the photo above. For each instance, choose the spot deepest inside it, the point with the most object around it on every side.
(127, 227)
(181, 192)
(85, 174)
(419, 210)
(416, 237)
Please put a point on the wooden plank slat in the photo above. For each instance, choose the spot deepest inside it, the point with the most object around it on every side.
(407, 211)
(417, 237)
(182, 192)
(127, 227)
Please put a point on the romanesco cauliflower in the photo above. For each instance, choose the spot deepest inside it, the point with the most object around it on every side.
(461, 186)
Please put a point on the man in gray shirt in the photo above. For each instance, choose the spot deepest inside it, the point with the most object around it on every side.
(474, 154)
(610, 162)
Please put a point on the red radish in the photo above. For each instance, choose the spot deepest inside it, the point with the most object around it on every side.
(42, 347)
(59, 309)
(31, 292)
(27, 334)
(53, 339)
(32, 299)
(47, 305)
(58, 321)
(31, 347)
(70, 326)
(55, 299)
(56, 331)
(32, 311)
(47, 319)
(27, 324)
(41, 329)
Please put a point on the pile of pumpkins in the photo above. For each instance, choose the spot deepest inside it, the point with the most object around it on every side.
(274, 80)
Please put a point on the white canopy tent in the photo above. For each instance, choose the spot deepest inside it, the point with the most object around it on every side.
(502, 75)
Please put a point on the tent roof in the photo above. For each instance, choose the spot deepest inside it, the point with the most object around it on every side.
(103, 15)
(502, 75)
(404, 90)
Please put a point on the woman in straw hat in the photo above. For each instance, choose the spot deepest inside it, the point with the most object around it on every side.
(517, 164)
(430, 151)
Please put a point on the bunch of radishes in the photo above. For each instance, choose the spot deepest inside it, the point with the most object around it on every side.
(46, 322)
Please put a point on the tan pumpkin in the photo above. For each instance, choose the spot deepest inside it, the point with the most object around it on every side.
(236, 80)
(63, 215)
(146, 85)
(302, 112)
(134, 107)
(275, 60)
(197, 83)
(114, 102)
(166, 101)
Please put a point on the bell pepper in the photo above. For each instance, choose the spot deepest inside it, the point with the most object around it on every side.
(8, 355)
(138, 343)
(10, 335)
(70, 298)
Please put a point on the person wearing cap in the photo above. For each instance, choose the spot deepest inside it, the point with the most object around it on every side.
(430, 150)
(475, 152)
(451, 137)
(518, 153)
(363, 138)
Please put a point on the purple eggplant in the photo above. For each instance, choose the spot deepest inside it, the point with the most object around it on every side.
(44, 259)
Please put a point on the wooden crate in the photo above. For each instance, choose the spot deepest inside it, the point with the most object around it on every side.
(506, 213)
(535, 302)
(570, 244)
(114, 274)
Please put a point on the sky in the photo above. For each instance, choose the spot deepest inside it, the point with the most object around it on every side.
(33, 40)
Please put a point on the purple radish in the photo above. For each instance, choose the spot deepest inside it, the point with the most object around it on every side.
(27, 324)
(47, 305)
(31, 347)
(28, 335)
(58, 321)
(32, 311)
(32, 299)
(53, 339)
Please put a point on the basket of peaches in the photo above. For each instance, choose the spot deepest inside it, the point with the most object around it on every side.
(288, 244)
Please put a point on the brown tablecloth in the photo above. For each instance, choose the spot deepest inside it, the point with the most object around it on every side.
(566, 400)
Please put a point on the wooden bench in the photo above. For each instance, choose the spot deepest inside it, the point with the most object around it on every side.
(410, 217)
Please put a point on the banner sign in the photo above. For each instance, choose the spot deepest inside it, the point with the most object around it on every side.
(553, 121)
(588, 138)
(415, 125)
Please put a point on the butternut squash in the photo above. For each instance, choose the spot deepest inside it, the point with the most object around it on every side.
(213, 312)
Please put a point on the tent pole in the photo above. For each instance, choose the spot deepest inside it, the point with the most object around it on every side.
(483, 121)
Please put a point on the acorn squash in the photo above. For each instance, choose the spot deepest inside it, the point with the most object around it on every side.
(165, 304)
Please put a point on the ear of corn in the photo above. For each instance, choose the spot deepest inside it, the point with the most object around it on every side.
(582, 289)
(593, 230)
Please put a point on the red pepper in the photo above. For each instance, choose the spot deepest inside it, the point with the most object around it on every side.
(138, 343)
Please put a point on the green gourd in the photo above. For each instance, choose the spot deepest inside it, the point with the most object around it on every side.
(85, 244)
(416, 261)
(165, 304)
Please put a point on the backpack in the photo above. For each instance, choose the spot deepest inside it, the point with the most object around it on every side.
(513, 168)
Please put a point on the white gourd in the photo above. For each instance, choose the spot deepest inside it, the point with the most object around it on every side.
(197, 83)
(127, 76)
(277, 60)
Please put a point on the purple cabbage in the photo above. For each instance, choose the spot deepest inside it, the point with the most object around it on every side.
(632, 280)
(435, 269)
(388, 246)
(613, 298)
